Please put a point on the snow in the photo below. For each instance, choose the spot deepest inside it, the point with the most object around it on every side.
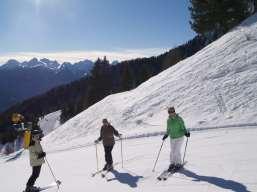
(217, 160)
(215, 91)
(215, 87)
(50, 122)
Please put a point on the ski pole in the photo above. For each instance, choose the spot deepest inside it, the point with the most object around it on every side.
(96, 155)
(185, 151)
(121, 152)
(56, 181)
(157, 157)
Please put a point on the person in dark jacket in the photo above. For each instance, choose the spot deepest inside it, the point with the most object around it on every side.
(107, 136)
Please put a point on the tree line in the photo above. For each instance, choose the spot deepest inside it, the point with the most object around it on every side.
(104, 79)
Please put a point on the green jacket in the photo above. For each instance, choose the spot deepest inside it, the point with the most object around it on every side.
(175, 127)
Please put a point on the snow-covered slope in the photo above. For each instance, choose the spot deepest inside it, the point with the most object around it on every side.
(215, 87)
(50, 122)
(217, 161)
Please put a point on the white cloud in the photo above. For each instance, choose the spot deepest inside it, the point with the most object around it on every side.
(74, 56)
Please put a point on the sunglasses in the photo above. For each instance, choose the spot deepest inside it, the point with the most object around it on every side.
(36, 136)
(171, 112)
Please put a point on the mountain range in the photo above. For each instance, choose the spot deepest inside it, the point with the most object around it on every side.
(21, 80)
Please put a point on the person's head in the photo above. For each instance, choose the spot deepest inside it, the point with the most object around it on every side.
(17, 118)
(105, 122)
(36, 135)
(171, 111)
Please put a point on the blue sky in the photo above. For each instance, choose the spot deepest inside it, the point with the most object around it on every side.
(84, 27)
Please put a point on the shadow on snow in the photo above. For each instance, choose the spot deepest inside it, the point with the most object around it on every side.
(126, 178)
(220, 182)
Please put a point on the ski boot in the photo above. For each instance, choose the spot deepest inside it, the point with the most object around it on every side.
(171, 167)
(109, 167)
(32, 189)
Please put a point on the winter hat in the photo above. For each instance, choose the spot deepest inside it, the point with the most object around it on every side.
(36, 132)
(171, 110)
(105, 121)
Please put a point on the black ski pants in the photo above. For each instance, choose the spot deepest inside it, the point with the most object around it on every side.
(108, 154)
(35, 174)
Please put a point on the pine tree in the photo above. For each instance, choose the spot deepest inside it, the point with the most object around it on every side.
(213, 18)
(253, 4)
(100, 81)
(126, 78)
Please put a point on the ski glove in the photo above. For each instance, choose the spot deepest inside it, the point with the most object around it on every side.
(41, 155)
(187, 134)
(96, 141)
(165, 137)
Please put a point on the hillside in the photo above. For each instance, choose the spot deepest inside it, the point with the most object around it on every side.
(105, 78)
(215, 87)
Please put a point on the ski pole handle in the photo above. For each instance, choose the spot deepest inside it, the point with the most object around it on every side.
(157, 156)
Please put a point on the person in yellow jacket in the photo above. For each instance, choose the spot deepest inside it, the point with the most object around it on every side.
(176, 130)
(36, 155)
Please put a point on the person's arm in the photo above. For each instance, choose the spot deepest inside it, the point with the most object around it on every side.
(166, 134)
(115, 132)
(40, 153)
(186, 132)
(101, 136)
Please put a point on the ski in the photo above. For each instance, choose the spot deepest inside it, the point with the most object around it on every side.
(48, 187)
(97, 172)
(160, 177)
(38, 189)
(166, 174)
(106, 172)
(102, 171)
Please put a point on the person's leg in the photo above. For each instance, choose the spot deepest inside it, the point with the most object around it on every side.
(172, 147)
(108, 154)
(35, 174)
(177, 150)
(106, 157)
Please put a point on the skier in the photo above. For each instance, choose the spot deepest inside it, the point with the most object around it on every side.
(176, 130)
(107, 135)
(36, 159)
(17, 121)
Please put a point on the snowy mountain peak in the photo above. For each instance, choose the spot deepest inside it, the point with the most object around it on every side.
(31, 63)
(53, 73)
(41, 63)
(11, 64)
(49, 64)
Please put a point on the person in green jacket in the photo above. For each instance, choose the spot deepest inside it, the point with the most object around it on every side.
(176, 130)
